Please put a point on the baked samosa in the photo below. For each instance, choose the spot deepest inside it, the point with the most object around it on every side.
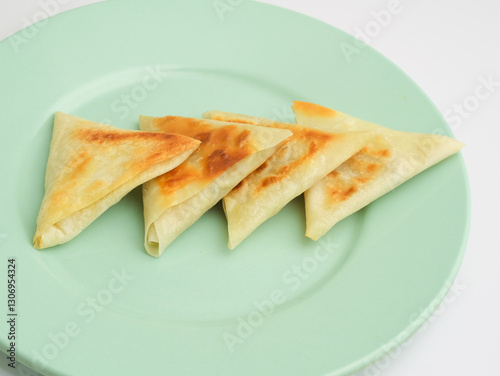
(228, 152)
(390, 159)
(91, 166)
(302, 161)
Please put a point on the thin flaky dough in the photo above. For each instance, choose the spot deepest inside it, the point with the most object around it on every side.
(228, 152)
(91, 166)
(387, 161)
(302, 161)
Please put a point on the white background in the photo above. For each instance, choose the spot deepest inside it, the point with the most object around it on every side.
(448, 47)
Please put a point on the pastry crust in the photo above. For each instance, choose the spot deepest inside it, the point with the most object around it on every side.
(91, 166)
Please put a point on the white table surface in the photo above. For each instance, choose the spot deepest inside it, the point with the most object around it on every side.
(449, 47)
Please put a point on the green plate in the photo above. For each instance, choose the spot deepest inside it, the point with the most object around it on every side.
(279, 304)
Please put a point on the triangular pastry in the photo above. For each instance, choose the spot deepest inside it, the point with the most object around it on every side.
(227, 153)
(390, 159)
(91, 166)
(302, 161)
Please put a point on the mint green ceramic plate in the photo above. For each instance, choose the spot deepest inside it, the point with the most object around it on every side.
(280, 304)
